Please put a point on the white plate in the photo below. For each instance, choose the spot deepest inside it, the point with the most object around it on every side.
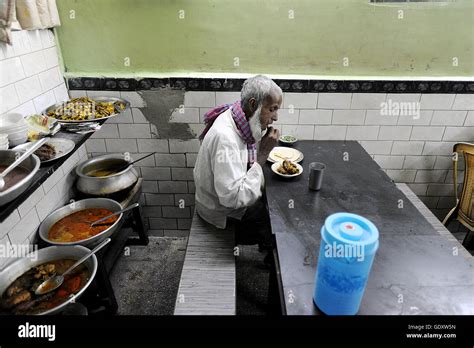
(277, 165)
(289, 153)
(17, 140)
(61, 145)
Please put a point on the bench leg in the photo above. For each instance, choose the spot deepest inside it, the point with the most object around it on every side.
(276, 301)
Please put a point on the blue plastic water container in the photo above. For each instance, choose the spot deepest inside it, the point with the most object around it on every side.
(348, 246)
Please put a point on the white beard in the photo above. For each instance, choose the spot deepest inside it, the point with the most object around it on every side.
(256, 125)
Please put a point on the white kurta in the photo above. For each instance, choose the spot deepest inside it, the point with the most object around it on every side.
(224, 186)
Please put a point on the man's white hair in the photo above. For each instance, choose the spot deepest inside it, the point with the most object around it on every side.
(258, 87)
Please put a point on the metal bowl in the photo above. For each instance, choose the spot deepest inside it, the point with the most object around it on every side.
(58, 214)
(19, 267)
(31, 164)
(107, 185)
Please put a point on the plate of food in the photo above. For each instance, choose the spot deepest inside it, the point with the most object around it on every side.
(288, 140)
(84, 109)
(287, 169)
(280, 153)
(53, 149)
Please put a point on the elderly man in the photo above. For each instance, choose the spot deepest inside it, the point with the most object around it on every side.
(228, 172)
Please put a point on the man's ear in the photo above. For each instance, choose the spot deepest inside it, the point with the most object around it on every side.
(252, 104)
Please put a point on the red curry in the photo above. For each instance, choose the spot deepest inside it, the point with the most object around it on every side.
(77, 226)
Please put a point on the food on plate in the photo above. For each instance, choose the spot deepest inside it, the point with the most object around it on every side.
(76, 109)
(40, 126)
(120, 105)
(288, 138)
(20, 298)
(12, 178)
(77, 226)
(104, 109)
(46, 152)
(84, 108)
(280, 153)
(288, 168)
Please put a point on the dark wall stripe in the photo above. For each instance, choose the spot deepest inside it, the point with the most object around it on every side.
(234, 85)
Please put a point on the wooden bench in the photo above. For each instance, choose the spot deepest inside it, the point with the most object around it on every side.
(207, 284)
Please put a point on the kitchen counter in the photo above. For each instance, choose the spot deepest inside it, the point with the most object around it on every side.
(44, 172)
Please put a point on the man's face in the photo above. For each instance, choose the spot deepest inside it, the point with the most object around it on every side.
(270, 107)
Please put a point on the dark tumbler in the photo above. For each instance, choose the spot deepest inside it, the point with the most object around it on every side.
(316, 171)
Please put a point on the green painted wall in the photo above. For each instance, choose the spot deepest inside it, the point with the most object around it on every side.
(264, 38)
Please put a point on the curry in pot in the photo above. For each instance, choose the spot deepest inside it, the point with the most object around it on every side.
(20, 298)
(77, 226)
(14, 177)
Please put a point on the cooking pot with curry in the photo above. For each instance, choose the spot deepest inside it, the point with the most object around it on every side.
(71, 224)
(100, 176)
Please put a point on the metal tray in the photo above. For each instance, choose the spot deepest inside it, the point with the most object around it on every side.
(98, 99)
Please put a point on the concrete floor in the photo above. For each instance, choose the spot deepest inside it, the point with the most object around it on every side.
(146, 282)
(252, 281)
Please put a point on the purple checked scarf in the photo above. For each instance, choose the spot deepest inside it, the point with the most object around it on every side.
(240, 121)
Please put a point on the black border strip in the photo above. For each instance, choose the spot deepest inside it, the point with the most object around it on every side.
(304, 86)
(200, 331)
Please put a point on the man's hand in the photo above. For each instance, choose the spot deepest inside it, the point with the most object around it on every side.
(267, 143)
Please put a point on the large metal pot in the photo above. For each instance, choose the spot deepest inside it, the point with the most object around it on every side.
(22, 265)
(57, 215)
(104, 186)
(31, 165)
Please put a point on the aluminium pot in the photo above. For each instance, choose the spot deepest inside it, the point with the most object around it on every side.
(31, 164)
(90, 242)
(106, 185)
(22, 265)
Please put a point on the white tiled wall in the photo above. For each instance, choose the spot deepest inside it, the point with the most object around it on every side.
(30, 81)
(414, 151)
(30, 77)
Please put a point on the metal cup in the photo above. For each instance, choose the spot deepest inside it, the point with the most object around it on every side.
(316, 171)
